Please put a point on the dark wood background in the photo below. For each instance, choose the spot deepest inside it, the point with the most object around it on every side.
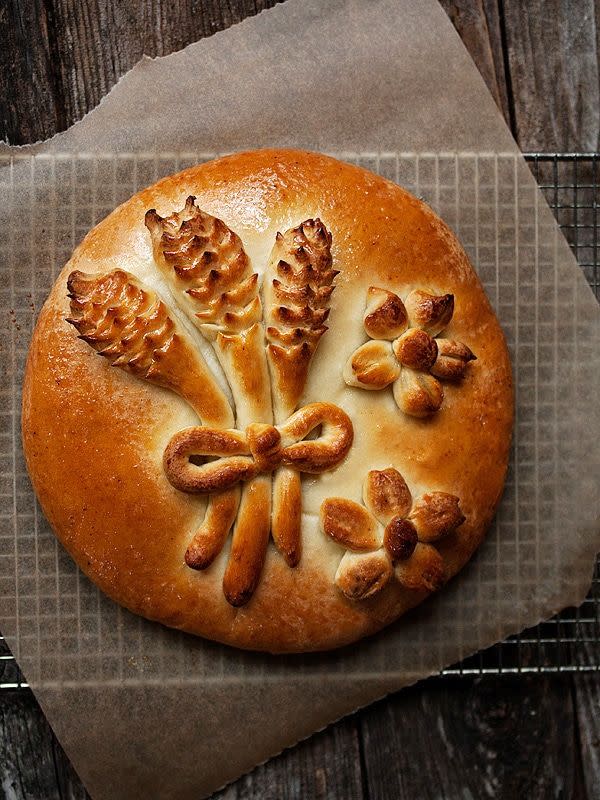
(493, 737)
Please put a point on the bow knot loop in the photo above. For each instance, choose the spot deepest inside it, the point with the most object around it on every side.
(205, 460)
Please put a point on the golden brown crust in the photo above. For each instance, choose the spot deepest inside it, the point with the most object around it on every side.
(242, 357)
(428, 311)
(297, 288)
(323, 453)
(349, 524)
(208, 541)
(361, 577)
(416, 349)
(234, 457)
(205, 263)
(409, 530)
(249, 545)
(400, 539)
(286, 521)
(452, 359)
(423, 570)
(376, 364)
(418, 393)
(78, 410)
(436, 514)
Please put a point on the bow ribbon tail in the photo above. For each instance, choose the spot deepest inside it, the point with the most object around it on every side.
(208, 541)
(286, 524)
(249, 542)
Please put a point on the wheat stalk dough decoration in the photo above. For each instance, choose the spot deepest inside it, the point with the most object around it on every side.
(297, 289)
(210, 274)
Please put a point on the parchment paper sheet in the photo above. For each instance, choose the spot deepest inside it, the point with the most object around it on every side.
(145, 712)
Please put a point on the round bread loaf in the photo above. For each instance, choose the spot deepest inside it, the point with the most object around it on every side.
(299, 423)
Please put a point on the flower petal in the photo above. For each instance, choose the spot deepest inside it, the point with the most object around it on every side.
(385, 315)
(350, 524)
(363, 575)
(386, 494)
(423, 570)
(418, 394)
(452, 359)
(429, 311)
(436, 514)
(372, 366)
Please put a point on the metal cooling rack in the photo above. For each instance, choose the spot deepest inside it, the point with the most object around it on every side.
(569, 642)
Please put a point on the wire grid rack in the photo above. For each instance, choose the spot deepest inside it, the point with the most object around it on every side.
(570, 641)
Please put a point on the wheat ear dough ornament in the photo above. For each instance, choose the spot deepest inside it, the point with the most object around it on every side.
(297, 290)
(210, 275)
(127, 323)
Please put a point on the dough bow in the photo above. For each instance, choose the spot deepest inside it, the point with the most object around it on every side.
(240, 456)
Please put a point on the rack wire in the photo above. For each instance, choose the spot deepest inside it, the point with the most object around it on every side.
(570, 641)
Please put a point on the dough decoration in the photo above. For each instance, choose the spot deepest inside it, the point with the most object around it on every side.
(232, 459)
(297, 289)
(235, 456)
(390, 536)
(211, 278)
(403, 349)
(130, 326)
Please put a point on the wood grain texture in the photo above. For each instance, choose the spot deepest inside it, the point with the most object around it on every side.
(479, 26)
(325, 766)
(33, 765)
(498, 739)
(60, 57)
(586, 698)
(587, 705)
(552, 49)
(30, 101)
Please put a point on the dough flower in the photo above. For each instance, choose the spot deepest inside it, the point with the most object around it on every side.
(403, 349)
(390, 536)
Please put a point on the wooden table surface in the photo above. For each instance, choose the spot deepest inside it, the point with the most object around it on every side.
(492, 737)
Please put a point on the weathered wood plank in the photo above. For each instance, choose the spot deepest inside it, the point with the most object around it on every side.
(553, 55)
(497, 739)
(33, 766)
(59, 58)
(586, 697)
(478, 24)
(31, 106)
